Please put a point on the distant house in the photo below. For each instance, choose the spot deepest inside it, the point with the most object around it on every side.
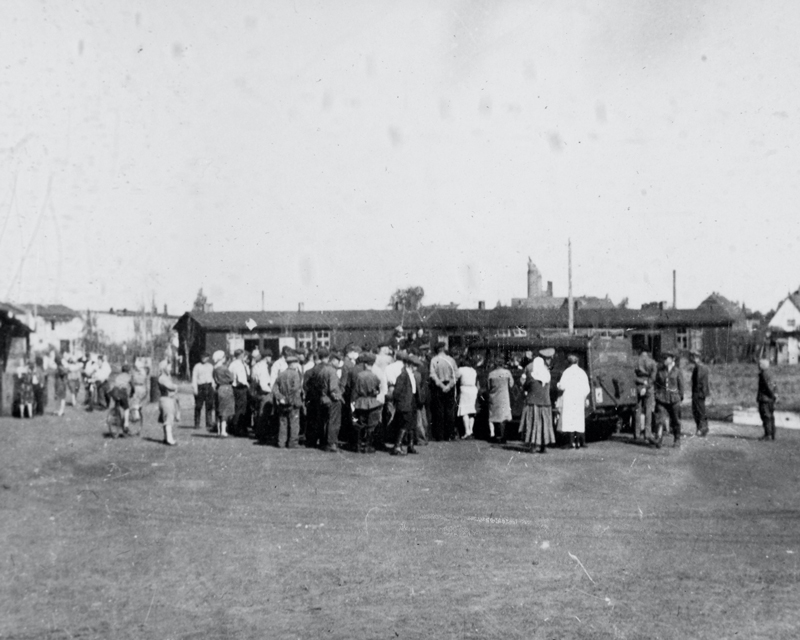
(718, 302)
(123, 326)
(784, 331)
(54, 327)
(541, 298)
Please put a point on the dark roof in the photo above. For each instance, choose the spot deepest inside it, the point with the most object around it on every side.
(51, 311)
(469, 319)
(718, 301)
(795, 298)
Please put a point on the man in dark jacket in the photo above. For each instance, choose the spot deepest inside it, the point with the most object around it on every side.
(669, 395)
(325, 395)
(700, 391)
(406, 397)
(766, 399)
(364, 391)
(288, 398)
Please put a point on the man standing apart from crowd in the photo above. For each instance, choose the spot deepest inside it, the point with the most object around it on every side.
(700, 391)
(238, 370)
(669, 395)
(575, 384)
(203, 388)
(288, 398)
(645, 373)
(500, 382)
(766, 399)
(537, 415)
(443, 398)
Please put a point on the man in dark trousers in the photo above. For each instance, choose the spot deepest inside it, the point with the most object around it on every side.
(700, 391)
(288, 398)
(325, 395)
(443, 372)
(669, 395)
(766, 399)
(406, 402)
(364, 392)
(645, 373)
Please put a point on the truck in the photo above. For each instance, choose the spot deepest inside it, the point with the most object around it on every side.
(608, 362)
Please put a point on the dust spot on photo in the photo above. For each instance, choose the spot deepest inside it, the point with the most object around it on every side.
(556, 141)
(600, 113)
(306, 270)
(485, 106)
(178, 50)
(396, 136)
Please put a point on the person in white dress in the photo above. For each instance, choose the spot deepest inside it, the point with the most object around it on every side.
(574, 384)
(467, 379)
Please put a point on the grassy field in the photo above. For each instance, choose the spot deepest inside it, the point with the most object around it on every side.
(131, 539)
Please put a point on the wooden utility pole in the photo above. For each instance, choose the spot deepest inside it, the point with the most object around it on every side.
(570, 301)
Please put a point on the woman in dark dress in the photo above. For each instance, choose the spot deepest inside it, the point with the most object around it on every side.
(25, 390)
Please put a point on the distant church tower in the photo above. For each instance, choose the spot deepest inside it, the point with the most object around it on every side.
(534, 280)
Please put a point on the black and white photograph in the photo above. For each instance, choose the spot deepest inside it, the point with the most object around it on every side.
(449, 319)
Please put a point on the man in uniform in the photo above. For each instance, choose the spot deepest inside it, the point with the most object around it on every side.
(700, 391)
(365, 403)
(325, 399)
(669, 395)
(766, 399)
(645, 373)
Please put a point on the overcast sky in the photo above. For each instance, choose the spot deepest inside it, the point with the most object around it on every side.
(331, 152)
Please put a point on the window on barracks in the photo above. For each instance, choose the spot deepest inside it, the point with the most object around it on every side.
(305, 340)
(696, 339)
(503, 333)
(323, 339)
(682, 339)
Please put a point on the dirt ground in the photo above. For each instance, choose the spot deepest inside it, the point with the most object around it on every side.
(218, 538)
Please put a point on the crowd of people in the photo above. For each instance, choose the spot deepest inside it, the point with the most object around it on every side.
(394, 397)
(391, 397)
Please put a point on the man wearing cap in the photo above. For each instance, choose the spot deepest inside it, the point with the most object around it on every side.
(325, 397)
(351, 353)
(288, 398)
(700, 391)
(241, 385)
(669, 395)
(203, 388)
(405, 397)
(645, 378)
(536, 421)
(443, 374)
(766, 398)
(365, 403)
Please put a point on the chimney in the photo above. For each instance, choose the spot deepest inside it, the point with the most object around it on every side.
(165, 309)
(301, 306)
(481, 305)
(674, 289)
(550, 288)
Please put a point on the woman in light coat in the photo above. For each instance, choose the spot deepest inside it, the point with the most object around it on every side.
(574, 384)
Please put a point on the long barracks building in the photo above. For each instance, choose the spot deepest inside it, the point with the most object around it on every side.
(707, 330)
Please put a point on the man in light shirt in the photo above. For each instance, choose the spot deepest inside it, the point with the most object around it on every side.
(101, 376)
(262, 392)
(203, 388)
(443, 401)
(238, 370)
